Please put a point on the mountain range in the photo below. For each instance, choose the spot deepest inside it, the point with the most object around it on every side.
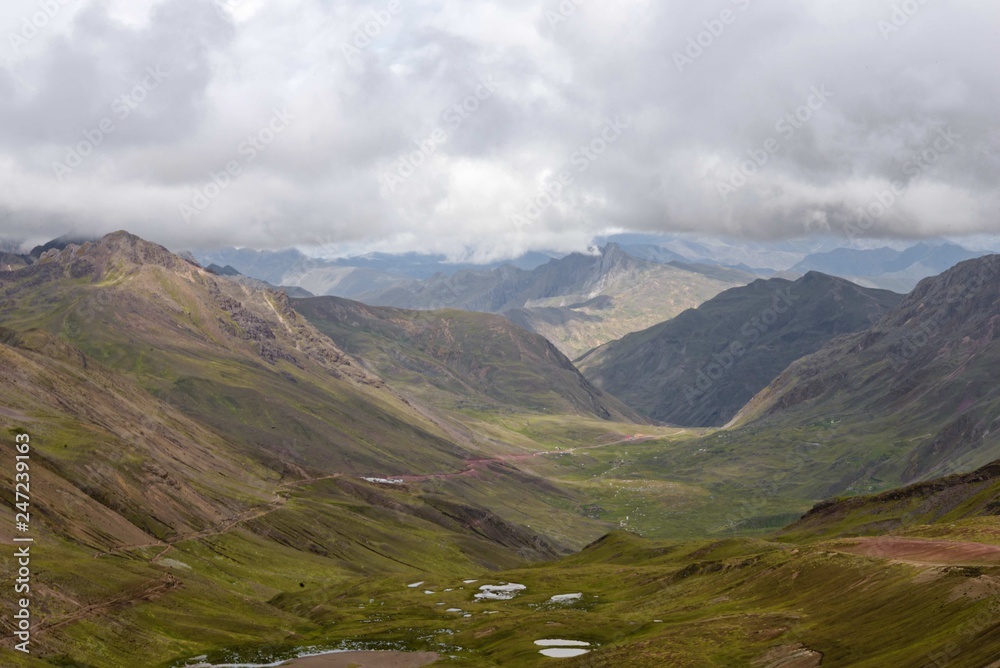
(926, 376)
(898, 270)
(701, 367)
(222, 474)
(578, 302)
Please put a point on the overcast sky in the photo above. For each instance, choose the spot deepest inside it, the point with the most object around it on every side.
(357, 140)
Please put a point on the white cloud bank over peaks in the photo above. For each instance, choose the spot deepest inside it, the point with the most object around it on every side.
(490, 128)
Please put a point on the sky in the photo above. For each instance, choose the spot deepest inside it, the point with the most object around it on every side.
(482, 129)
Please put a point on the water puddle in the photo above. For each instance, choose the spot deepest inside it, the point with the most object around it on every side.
(562, 652)
(562, 649)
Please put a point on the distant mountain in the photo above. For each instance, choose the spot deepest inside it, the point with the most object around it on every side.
(421, 265)
(59, 244)
(231, 273)
(915, 396)
(577, 302)
(10, 261)
(774, 256)
(295, 269)
(460, 359)
(345, 277)
(700, 368)
(888, 268)
(663, 255)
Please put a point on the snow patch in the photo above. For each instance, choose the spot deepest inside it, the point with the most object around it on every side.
(504, 592)
(565, 598)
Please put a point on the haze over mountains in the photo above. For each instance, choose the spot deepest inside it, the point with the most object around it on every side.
(579, 302)
(897, 270)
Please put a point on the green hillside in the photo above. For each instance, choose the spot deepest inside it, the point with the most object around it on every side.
(464, 360)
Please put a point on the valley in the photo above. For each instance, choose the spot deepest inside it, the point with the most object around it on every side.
(226, 475)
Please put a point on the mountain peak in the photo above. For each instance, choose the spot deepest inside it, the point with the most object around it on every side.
(117, 250)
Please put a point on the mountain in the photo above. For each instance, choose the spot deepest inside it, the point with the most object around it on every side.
(199, 449)
(58, 244)
(232, 273)
(344, 277)
(898, 270)
(701, 367)
(469, 359)
(295, 269)
(915, 396)
(577, 302)
(215, 480)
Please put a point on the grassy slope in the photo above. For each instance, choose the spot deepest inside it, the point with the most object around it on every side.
(460, 359)
(948, 500)
(144, 380)
(913, 398)
(726, 603)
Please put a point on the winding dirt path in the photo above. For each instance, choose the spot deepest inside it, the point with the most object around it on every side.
(160, 586)
(472, 466)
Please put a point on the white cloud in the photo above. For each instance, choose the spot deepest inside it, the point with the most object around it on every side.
(320, 181)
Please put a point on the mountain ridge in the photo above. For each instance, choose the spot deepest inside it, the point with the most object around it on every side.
(701, 367)
(931, 362)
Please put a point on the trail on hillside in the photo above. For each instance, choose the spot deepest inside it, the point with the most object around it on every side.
(471, 466)
(220, 527)
(145, 592)
(157, 587)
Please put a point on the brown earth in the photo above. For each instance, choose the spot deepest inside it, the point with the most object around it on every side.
(922, 551)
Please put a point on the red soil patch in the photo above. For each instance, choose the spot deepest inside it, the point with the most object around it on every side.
(920, 551)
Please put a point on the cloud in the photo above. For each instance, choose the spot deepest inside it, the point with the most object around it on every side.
(435, 126)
